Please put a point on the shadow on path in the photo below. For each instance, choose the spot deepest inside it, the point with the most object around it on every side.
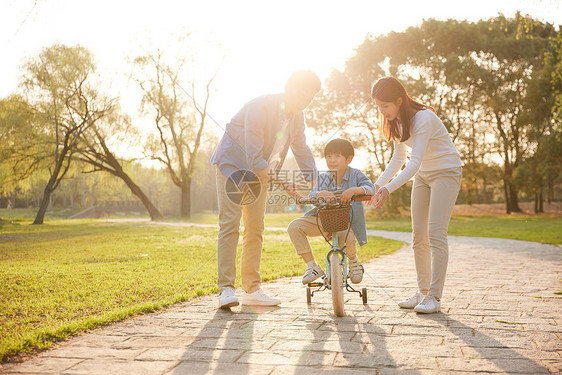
(504, 357)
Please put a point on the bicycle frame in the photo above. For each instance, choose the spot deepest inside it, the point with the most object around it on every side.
(343, 261)
(335, 249)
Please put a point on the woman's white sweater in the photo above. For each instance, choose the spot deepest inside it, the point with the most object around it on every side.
(432, 149)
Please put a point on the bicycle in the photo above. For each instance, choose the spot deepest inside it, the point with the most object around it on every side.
(334, 217)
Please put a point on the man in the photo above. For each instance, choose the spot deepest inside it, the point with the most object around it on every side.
(248, 156)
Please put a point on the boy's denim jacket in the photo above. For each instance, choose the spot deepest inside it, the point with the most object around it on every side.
(352, 178)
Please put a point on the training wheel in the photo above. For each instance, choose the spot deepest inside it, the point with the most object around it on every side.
(364, 295)
(308, 296)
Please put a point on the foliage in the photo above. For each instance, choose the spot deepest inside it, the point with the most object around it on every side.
(64, 97)
(480, 77)
(21, 153)
(178, 117)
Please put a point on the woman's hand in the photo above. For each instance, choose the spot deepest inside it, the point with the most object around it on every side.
(379, 198)
(374, 197)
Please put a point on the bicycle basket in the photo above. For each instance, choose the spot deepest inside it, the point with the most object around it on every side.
(334, 219)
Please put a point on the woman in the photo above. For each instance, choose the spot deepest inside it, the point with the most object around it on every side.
(436, 165)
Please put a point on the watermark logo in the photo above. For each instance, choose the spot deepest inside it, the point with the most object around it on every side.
(243, 187)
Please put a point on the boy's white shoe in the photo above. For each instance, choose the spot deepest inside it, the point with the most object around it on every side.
(312, 273)
(356, 271)
(428, 305)
(227, 298)
(259, 298)
(411, 302)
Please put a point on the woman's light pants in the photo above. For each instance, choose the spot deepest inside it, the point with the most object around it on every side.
(434, 194)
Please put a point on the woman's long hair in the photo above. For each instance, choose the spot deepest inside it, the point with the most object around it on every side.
(389, 89)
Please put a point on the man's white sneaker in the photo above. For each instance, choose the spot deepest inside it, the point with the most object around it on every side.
(411, 302)
(312, 273)
(227, 298)
(356, 271)
(259, 298)
(428, 305)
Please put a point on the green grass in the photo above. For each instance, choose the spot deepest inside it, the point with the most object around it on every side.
(541, 229)
(68, 276)
(506, 322)
(21, 214)
(528, 228)
(280, 220)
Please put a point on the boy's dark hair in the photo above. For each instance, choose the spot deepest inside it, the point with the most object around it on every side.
(339, 146)
(304, 79)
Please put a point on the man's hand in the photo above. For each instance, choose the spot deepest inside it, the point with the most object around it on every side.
(325, 194)
(291, 189)
(265, 174)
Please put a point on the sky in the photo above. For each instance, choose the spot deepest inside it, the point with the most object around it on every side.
(262, 42)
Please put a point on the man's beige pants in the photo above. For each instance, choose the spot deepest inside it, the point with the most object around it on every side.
(229, 233)
(434, 194)
(303, 227)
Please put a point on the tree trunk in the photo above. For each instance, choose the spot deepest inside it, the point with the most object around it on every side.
(536, 203)
(108, 162)
(506, 195)
(136, 190)
(541, 200)
(510, 191)
(185, 209)
(39, 218)
(514, 201)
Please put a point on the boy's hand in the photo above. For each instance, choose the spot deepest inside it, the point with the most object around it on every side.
(347, 195)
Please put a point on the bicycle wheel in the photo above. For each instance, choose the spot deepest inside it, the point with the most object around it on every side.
(337, 284)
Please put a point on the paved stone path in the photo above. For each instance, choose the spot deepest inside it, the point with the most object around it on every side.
(500, 314)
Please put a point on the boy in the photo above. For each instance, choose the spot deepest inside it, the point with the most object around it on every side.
(350, 181)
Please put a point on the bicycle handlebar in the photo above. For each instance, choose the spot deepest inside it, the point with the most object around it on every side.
(316, 201)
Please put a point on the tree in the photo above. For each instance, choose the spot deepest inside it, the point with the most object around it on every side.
(550, 97)
(21, 154)
(66, 103)
(96, 152)
(476, 75)
(178, 118)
